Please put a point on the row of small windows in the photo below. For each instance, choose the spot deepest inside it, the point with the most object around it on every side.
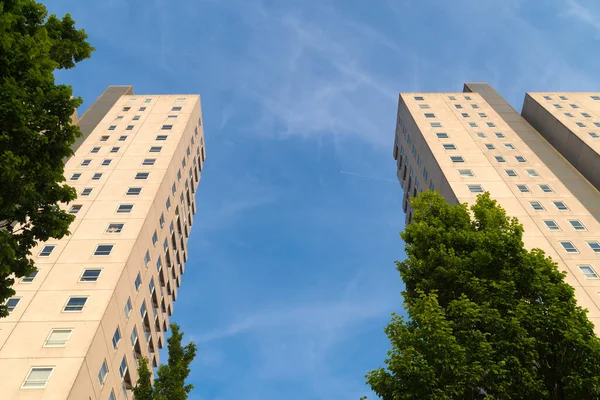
(520, 187)
(489, 146)
(137, 118)
(500, 159)
(510, 172)
(471, 124)
(444, 135)
(453, 98)
(153, 149)
(565, 98)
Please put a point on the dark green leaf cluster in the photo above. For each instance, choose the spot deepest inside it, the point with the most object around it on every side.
(36, 133)
(170, 381)
(488, 319)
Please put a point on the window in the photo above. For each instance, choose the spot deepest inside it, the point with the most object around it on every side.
(115, 227)
(457, 159)
(429, 115)
(124, 208)
(464, 115)
(126, 109)
(419, 98)
(166, 127)
(466, 172)
(128, 307)
(147, 258)
(562, 97)
(102, 373)
(595, 97)
(547, 97)
(536, 205)
(594, 245)
(475, 188)
(106, 162)
(594, 135)
(85, 163)
(46, 250)
(588, 271)
(142, 109)
(468, 98)
(112, 396)
(551, 225)
(103, 249)
(173, 188)
(154, 238)
(162, 137)
(165, 246)
(482, 115)
(129, 128)
(161, 220)
(159, 263)
(442, 135)
(171, 228)
(510, 146)
(142, 175)
(116, 338)
(118, 118)
(520, 159)
(29, 278)
(155, 149)
(499, 135)
(138, 282)
(500, 159)
(569, 115)
(75, 177)
(112, 127)
(597, 124)
(586, 115)
(573, 105)
(12, 303)
(134, 336)
(577, 225)
(90, 275)
(58, 337)
(458, 106)
(75, 209)
(523, 188)
(474, 106)
(104, 138)
(473, 124)
(546, 188)
(557, 106)
(135, 118)
(532, 172)
(490, 124)
(481, 135)
(176, 109)
(435, 124)
(97, 176)
(569, 246)
(95, 149)
(561, 206)
(123, 367)
(133, 191)
(75, 304)
(115, 149)
(86, 191)
(511, 172)
(421, 106)
(149, 161)
(490, 146)
(147, 100)
(37, 378)
(580, 124)
(451, 98)
(168, 204)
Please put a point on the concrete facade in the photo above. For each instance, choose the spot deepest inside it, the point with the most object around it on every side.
(571, 123)
(104, 294)
(464, 143)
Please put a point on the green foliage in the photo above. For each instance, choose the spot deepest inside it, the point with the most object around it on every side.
(170, 381)
(35, 132)
(487, 318)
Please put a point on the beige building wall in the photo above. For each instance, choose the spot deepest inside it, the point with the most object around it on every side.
(571, 123)
(155, 144)
(462, 144)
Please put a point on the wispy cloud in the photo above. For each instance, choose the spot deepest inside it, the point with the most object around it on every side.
(583, 14)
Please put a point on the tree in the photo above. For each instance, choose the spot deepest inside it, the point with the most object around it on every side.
(487, 319)
(35, 132)
(170, 381)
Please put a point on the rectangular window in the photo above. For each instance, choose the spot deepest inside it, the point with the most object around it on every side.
(155, 149)
(75, 209)
(168, 204)
(577, 225)
(586, 115)
(175, 116)
(562, 97)
(482, 115)
(560, 205)
(557, 106)
(85, 163)
(147, 258)
(149, 161)
(102, 373)
(490, 124)
(122, 138)
(597, 124)
(128, 307)
(147, 100)
(551, 225)
(451, 98)
(162, 137)
(490, 146)
(429, 115)
(510, 146)
(106, 162)
(118, 118)
(536, 205)
(95, 150)
(569, 115)
(90, 275)
(176, 109)
(532, 172)
(547, 97)
(466, 172)
(115, 149)
(112, 127)
(112, 396)
(58, 337)
(474, 106)
(134, 336)
(464, 115)
(458, 106)
(142, 109)
(161, 220)
(104, 138)
(468, 98)
(29, 278)
(126, 109)
(520, 159)
(594, 245)
(75, 304)
(435, 124)
(133, 191)
(523, 188)
(500, 159)
(442, 135)
(12, 303)
(473, 124)
(142, 176)
(97, 176)
(481, 135)
(475, 188)
(115, 227)
(37, 378)
(154, 238)
(457, 159)
(123, 367)
(594, 135)
(46, 250)
(569, 246)
(546, 188)
(511, 172)
(138, 282)
(75, 177)
(116, 338)
(595, 97)
(136, 118)
(580, 124)
(419, 98)
(166, 127)
(573, 105)
(86, 191)
(588, 271)
(499, 135)
(103, 249)
(165, 246)
(124, 208)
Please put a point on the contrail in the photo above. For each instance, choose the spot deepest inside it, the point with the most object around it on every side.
(368, 177)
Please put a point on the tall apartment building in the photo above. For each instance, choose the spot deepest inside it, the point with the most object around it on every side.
(469, 142)
(103, 295)
(571, 123)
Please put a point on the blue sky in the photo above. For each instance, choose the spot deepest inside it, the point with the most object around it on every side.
(291, 279)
